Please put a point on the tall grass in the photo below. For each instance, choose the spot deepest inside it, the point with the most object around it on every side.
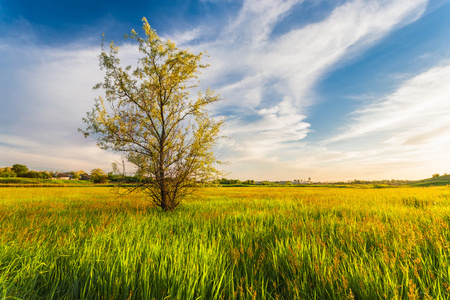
(228, 243)
(39, 182)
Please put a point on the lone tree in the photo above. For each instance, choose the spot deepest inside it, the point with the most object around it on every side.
(152, 119)
(19, 169)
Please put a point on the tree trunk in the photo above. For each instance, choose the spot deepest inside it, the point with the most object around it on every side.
(164, 205)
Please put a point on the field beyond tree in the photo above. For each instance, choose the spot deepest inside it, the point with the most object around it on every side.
(226, 243)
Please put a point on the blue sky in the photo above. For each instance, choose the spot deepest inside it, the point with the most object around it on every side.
(332, 90)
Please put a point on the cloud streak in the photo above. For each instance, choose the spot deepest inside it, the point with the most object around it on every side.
(416, 112)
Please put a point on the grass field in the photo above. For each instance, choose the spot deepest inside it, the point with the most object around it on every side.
(227, 243)
(20, 181)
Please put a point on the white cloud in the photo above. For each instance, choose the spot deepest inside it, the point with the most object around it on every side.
(404, 133)
(182, 38)
(256, 19)
(416, 112)
(301, 56)
(269, 135)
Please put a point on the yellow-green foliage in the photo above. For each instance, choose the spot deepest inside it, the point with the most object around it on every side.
(149, 116)
(228, 243)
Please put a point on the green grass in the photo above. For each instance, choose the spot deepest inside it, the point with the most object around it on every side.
(228, 243)
(37, 182)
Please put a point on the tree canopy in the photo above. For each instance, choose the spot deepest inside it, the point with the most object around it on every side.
(149, 116)
(19, 169)
(99, 176)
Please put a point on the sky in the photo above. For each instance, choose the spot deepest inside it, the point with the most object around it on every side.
(324, 89)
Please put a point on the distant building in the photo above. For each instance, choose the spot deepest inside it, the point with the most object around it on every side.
(85, 177)
(63, 176)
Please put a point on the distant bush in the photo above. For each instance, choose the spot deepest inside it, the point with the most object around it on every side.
(34, 174)
(435, 175)
(46, 175)
(249, 182)
(116, 177)
(100, 179)
(99, 176)
(229, 181)
(6, 174)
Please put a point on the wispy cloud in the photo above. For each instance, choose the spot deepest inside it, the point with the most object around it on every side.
(415, 113)
(400, 135)
(256, 20)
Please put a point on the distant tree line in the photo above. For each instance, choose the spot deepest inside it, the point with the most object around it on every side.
(18, 170)
(393, 182)
(96, 175)
(100, 176)
(233, 181)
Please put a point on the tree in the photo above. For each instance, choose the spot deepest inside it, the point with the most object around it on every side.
(45, 175)
(153, 120)
(19, 169)
(99, 176)
(7, 174)
(77, 174)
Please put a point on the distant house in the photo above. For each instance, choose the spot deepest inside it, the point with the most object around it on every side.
(85, 177)
(63, 176)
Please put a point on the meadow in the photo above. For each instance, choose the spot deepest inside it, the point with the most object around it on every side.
(226, 243)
